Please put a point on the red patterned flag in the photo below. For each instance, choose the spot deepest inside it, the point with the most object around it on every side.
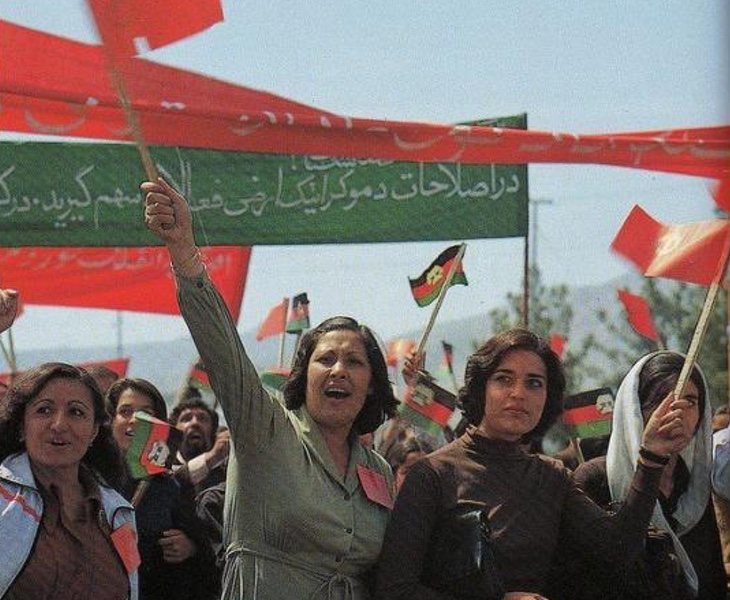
(693, 252)
(639, 314)
(398, 349)
(130, 27)
(589, 414)
(429, 400)
(275, 321)
(80, 277)
(427, 286)
(153, 446)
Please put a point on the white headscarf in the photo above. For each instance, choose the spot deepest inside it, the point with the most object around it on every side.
(623, 454)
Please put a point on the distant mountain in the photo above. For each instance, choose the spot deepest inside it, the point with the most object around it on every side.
(166, 363)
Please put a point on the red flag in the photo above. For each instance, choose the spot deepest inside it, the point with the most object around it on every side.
(398, 349)
(639, 315)
(275, 321)
(118, 365)
(693, 252)
(721, 194)
(63, 90)
(557, 344)
(86, 277)
(130, 27)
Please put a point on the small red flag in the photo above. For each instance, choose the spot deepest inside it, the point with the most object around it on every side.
(639, 314)
(130, 27)
(721, 194)
(275, 321)
(557, 344)
(692, 252)
(398, 349)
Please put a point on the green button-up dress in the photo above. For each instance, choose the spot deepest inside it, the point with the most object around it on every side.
(294, 528)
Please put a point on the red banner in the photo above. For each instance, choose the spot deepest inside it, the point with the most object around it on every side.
(118, 365)
(136, 279)
(63, 90)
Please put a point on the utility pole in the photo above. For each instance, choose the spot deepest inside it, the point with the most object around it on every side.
(531, 273)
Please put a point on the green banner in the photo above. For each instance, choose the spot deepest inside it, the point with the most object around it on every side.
(76, 194)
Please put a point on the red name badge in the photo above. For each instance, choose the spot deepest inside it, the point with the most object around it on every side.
(375, 486)
(124, 539)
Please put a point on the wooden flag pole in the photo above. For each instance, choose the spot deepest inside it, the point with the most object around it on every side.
(439, 301)
(702, 322)
(283, 334)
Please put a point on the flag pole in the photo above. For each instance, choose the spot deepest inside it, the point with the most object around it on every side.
(442, 295)
(282, 337)
(702, 322)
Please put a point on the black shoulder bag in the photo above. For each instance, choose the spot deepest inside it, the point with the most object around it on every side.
(460, 559)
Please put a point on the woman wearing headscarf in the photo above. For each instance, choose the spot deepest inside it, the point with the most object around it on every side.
(684, 506)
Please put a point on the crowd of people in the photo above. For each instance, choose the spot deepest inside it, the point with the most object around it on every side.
(305, 496)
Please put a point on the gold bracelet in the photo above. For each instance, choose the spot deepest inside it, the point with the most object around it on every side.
(196, 256)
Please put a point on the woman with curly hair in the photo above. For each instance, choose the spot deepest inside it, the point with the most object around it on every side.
(513, 390)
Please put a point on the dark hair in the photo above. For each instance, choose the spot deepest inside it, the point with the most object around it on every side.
(141, 386)
(194, 402)
(400, 451)
(380, 402)
(658, 377)
(103, 456)
(486, 360)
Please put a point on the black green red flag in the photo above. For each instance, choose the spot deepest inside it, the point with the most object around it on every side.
(589, 414)
(427, 405)
(298, 319)
(153, 446)
(427, 286)
(448, 357)
(198, 376)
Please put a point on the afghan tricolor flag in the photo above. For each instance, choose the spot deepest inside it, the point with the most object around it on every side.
(427, 286)
(427, 405)
(589, 414)
(691, 252)
(198, 376)
(448, 361)
(298, 319)
(153, 446)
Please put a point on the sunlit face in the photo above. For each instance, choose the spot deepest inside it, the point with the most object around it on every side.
(338, 379)
(59, 426)
(514, 396)
(130, 401)
(197, 427)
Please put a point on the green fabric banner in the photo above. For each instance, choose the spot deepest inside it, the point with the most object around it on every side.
(76, 194)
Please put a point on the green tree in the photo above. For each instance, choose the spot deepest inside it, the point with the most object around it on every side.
(675, 309)
(551, 313)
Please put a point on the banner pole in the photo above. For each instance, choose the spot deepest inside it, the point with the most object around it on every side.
(439, 301)
(282, 338)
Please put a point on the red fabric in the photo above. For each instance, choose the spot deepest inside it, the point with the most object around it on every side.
(692, 252)
(136, 279)
(275, 321)
(557, 344)
(63, 90)
(585, 414)
(639, 315)
(721, 194)
(121, 22)
(118, 365)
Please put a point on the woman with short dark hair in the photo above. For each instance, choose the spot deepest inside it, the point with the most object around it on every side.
(513, 387)
(306, 502)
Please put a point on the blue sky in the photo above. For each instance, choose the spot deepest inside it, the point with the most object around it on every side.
(574, 66)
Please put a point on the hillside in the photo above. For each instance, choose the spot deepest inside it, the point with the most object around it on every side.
(166, 363)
